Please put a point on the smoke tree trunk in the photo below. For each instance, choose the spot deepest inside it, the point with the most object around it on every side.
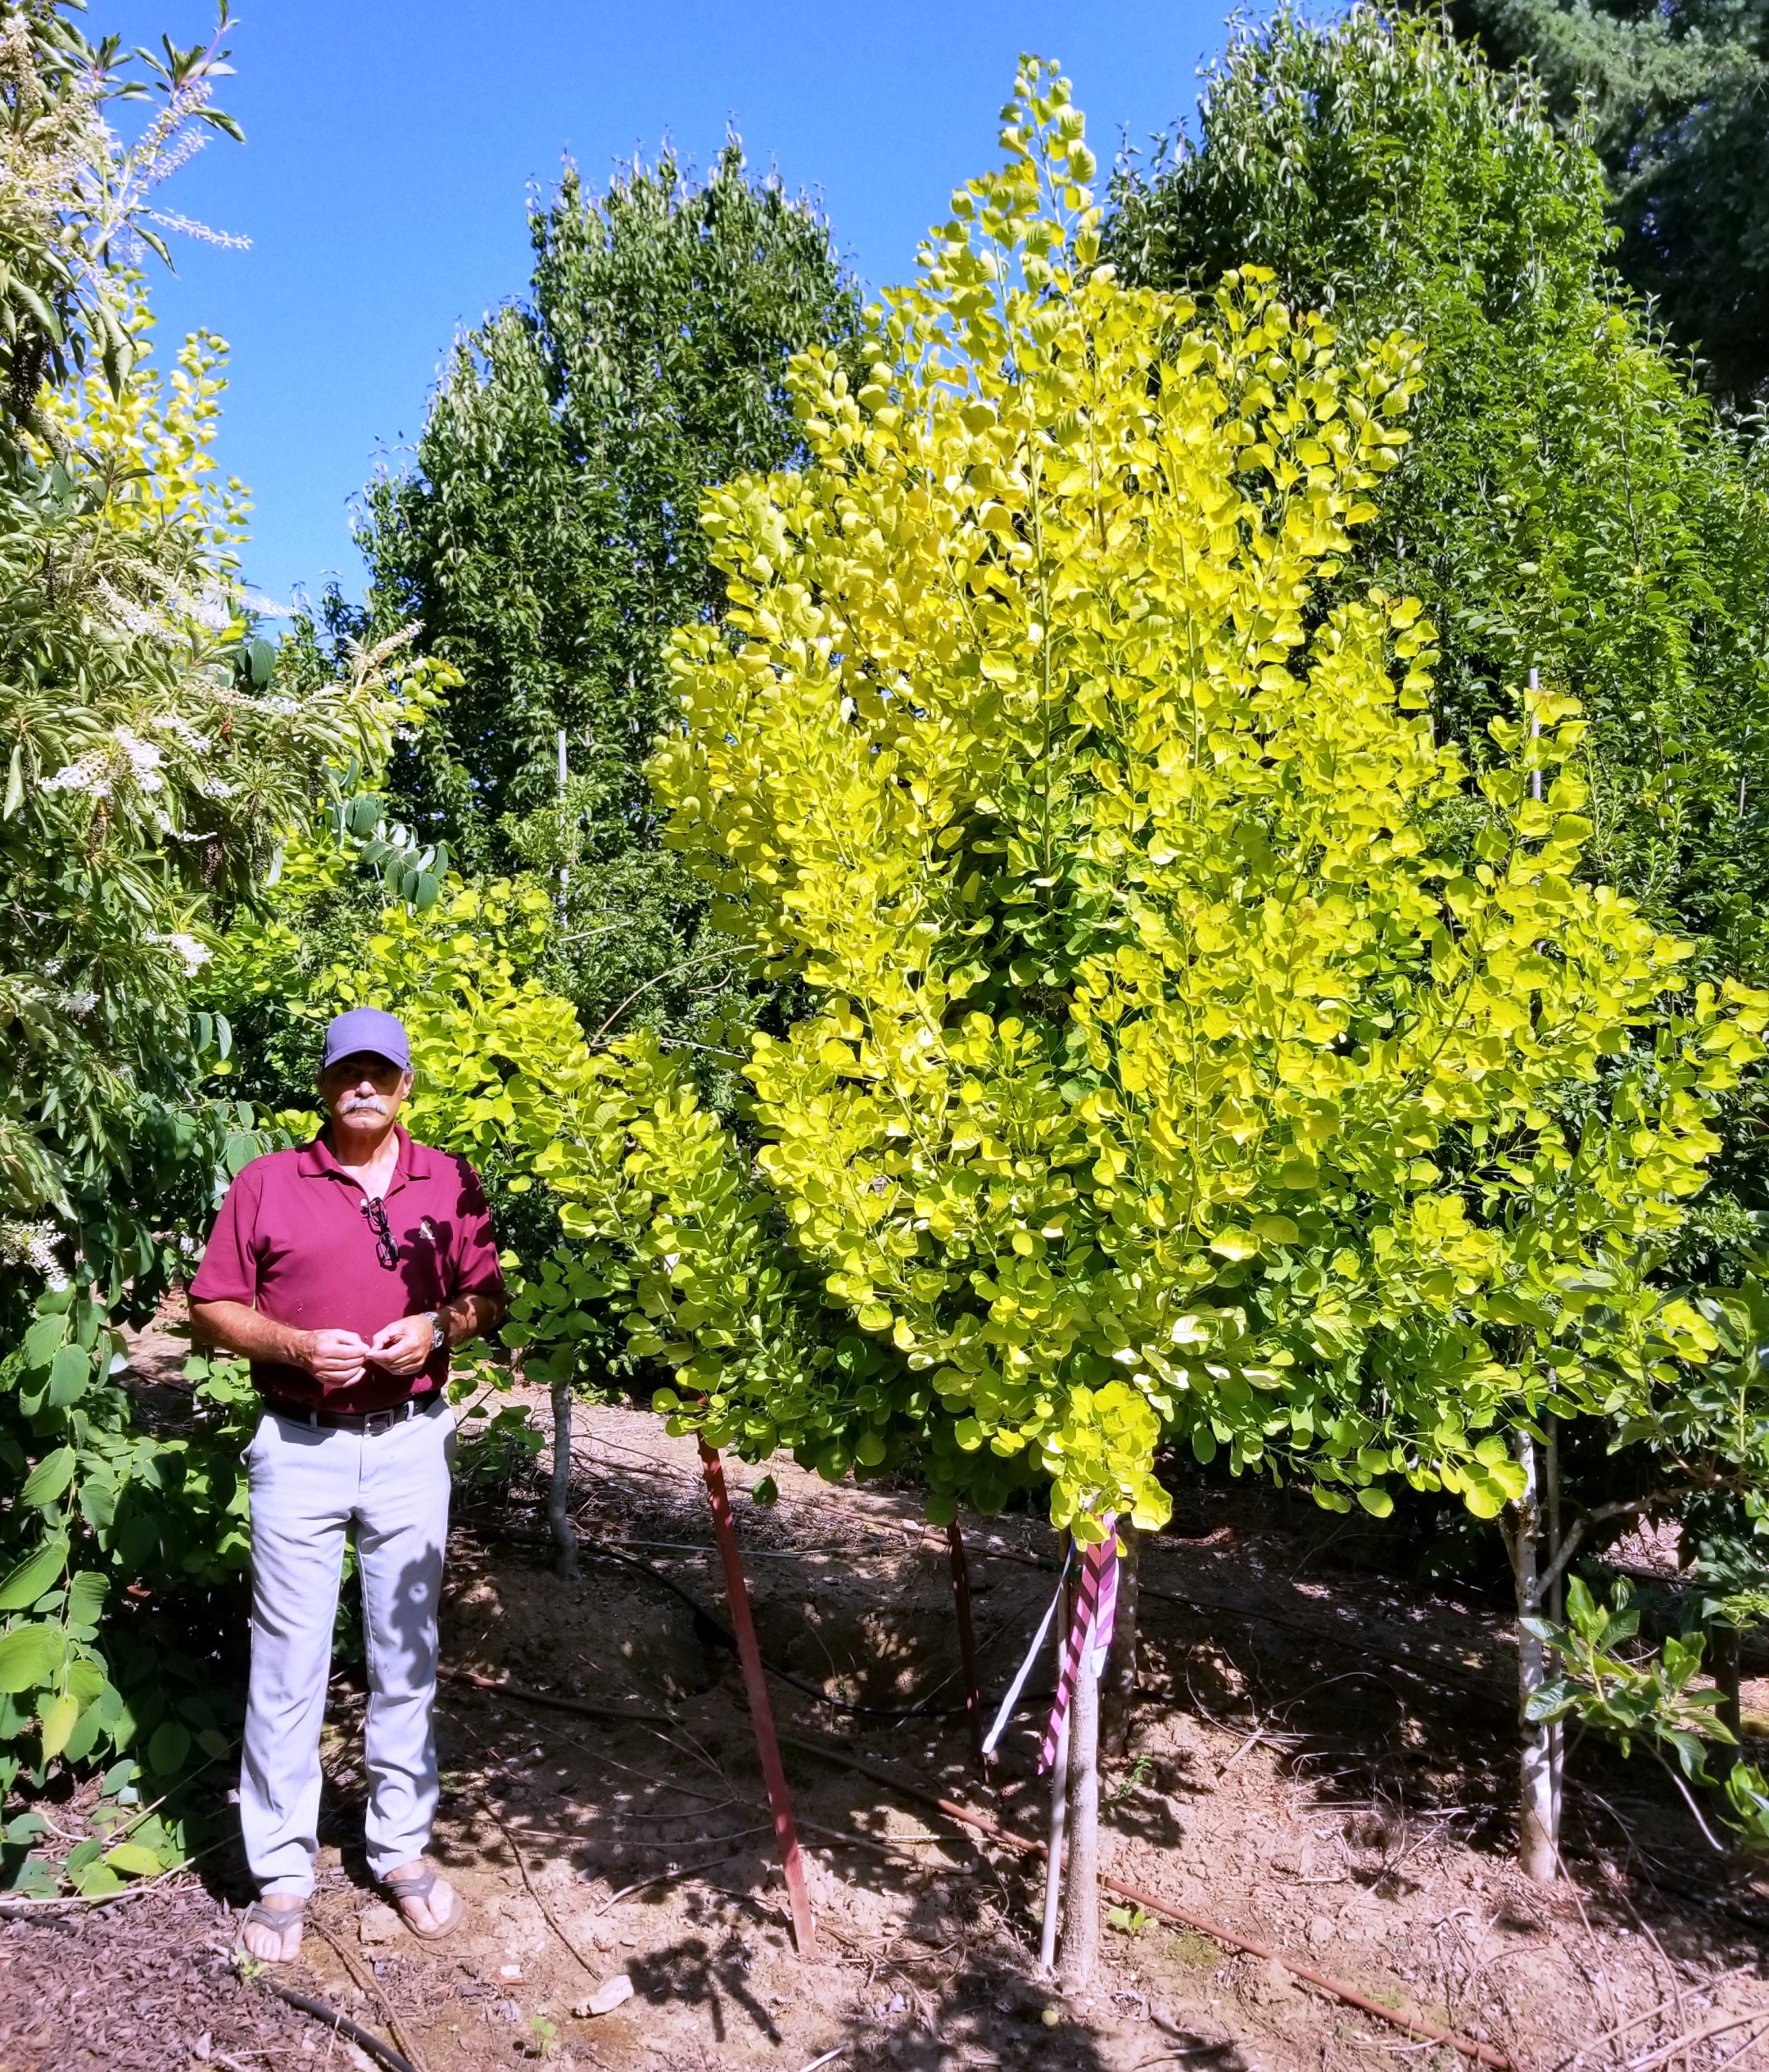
(1539, 1781)
(559, 1484)
(1118, 1685)
(1081, 1929)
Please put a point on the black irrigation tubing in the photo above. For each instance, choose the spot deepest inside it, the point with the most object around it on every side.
(1435, 1680)
(364, 2038)
(1432, 1680)
(728, 1639)
(786, 1676)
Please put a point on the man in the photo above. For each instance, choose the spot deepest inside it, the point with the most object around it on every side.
(344, 1272)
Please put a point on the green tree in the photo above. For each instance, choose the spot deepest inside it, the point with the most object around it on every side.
(547, 541)
(1568, 506)
(1196, 1047)
(1569, 503)
(1675, 101)
(1161, 1075)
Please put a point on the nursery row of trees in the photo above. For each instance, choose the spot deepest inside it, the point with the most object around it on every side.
(1153, 841)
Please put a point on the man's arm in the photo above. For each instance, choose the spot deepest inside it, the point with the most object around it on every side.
(336, 1357)
(463, 1317)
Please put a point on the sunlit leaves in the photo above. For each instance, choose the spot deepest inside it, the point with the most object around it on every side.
(1156, 1057)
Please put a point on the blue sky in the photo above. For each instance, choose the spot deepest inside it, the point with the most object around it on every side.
(391, 144)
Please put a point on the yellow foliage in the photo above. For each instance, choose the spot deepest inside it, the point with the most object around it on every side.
(1157, 1044)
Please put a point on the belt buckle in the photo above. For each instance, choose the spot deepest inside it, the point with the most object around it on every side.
(375, 1421)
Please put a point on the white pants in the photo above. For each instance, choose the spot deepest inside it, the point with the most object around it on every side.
(308, 1487)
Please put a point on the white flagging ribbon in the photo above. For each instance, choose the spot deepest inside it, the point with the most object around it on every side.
(1018, 1685)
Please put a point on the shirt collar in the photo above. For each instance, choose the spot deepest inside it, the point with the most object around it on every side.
(316, 1160)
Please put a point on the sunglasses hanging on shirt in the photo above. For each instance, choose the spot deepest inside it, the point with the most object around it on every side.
(387, 1245)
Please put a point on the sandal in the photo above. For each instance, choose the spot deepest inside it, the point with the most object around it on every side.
(419, 1884)
(280, 1918)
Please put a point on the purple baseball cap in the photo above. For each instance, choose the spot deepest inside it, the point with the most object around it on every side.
(367, 1029)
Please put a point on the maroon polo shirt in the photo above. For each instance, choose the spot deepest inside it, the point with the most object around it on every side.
(293, 1241)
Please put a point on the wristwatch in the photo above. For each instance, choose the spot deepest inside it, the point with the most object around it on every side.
(438, 1335)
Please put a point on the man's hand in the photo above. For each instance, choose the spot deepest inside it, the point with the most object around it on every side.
(336, 1358)
(404, 1347)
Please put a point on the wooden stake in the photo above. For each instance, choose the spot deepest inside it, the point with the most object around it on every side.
(760, 1714)
(961, 1584)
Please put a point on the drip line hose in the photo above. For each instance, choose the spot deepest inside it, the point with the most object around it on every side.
(364, 2038)
(725, 1638)
(728, 1639)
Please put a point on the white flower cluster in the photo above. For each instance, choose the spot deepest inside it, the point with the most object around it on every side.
(216, 788)
(79, 1004)
(210, 610)
(194, 954)
(144, 759)
(32, 1245)
(91, 774)
(180, 729)
(96, 773)
(144, 622)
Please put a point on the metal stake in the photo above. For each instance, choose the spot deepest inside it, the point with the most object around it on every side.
(761, 1713)
(961, 1584)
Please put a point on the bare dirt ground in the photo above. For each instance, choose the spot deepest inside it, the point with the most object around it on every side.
(1322, 1761)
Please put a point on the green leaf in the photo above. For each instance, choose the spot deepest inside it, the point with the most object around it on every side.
(48, 1479)
(25, 1582)
(68, 1373)
(41, 1341)
(86, 1597)
(15, 784)
(134, 1860)
(60, 1718)
(1377, 1502)
(169, 1748)
(84, 1738)
(29, 1655)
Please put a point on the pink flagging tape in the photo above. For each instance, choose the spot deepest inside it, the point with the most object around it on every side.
(1089, 1635)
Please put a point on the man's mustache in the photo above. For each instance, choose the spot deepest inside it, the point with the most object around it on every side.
(364, 1108)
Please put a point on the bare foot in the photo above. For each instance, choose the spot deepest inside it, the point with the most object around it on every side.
(275, 1945)
(427, 1914)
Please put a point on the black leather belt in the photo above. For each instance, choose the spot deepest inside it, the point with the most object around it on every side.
(361, 1421)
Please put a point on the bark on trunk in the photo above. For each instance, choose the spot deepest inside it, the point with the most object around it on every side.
(1539, 1778)
(1081, 1929)
(559, 1485)
(1118, 1685)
